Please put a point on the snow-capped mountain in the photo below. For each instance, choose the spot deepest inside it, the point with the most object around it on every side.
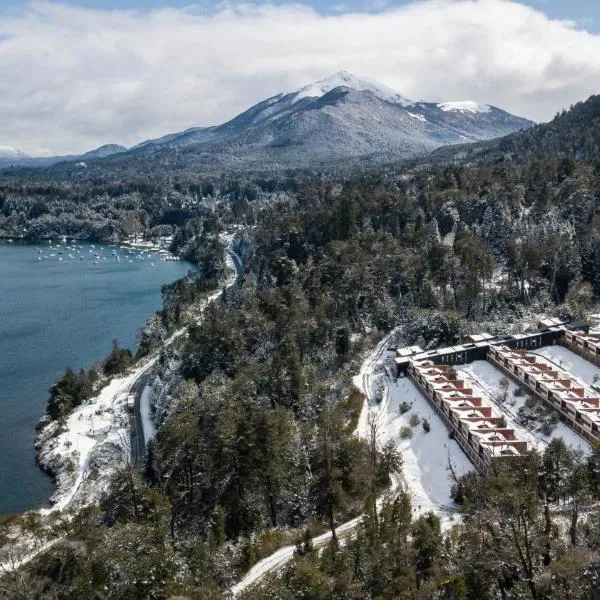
(338, 118)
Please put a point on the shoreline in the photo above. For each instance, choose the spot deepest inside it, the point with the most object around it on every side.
(97, 434)
(37, 480)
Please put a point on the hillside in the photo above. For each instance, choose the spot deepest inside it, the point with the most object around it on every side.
(571, 134)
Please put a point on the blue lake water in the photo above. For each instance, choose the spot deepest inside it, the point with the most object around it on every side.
(55, 314)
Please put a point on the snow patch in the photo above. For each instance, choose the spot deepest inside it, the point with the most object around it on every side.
(567, 360)
(465, 106)
(95, 436)
(415, 116)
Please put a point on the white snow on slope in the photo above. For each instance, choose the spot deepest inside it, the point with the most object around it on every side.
(416, 116)
(102, 421)
(486, 377)
(465, 106)
(345, 79)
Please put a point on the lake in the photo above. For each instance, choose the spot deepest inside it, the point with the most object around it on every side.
(56, 313)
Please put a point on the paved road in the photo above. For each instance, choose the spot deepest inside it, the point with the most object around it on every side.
(138, 443)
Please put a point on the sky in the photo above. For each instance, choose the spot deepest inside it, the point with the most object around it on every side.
(81, 73)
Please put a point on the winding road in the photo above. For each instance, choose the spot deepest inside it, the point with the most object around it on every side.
(138, 441)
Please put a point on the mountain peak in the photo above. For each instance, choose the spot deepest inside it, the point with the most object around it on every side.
(347, 79)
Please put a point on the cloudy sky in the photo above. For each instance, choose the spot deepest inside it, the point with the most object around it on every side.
(75, 75)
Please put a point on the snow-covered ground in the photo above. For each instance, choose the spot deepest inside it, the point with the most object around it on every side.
(486, 378)
(94, 438)
(426, 455)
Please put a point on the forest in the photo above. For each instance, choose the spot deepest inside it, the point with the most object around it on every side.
(255, 447)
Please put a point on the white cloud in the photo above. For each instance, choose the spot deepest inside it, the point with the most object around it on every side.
(72, 79)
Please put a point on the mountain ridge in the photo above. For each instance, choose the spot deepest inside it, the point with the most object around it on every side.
(336, 120)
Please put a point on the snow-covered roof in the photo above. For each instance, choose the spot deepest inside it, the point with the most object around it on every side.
(408, 351)
(481, 337)
(552, 322)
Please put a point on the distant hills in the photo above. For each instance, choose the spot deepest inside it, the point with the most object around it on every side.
(571, 134)
(339, 119)
(11, 157)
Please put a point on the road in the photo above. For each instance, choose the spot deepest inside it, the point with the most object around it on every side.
(138, 442)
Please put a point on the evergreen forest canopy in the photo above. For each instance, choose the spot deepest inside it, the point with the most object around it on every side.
(254, 448)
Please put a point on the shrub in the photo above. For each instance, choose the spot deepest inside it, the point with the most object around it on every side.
(404, 408)
(519, 391)
(414, 420)
(426, 426)
(502, 422)
(547, 428)
(406, 433)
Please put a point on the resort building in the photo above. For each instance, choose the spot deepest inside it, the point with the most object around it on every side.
(578, 407)
(587, 345)
(474, 424)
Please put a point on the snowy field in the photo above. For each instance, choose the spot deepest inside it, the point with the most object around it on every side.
(486, 378)
(426, 455)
